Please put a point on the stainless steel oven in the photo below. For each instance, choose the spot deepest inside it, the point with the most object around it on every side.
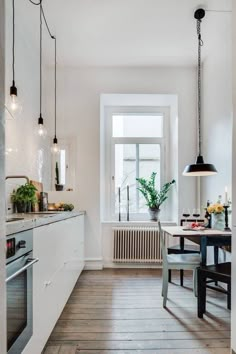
(19, 290)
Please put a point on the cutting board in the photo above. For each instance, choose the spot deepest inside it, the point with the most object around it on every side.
(39, 187)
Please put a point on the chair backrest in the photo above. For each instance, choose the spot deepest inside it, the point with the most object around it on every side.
(163, 246)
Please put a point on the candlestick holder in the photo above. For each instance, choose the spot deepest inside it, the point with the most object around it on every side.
(227, 228)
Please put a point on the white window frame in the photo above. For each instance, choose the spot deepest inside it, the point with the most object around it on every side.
(110, 152)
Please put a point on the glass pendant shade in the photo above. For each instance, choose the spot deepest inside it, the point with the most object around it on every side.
(55, 149)
(200, 168)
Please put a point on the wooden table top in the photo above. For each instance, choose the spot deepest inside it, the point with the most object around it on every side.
(178, 231)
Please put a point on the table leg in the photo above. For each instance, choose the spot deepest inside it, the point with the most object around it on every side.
(201, 299)
(203, 249)
(181, 242)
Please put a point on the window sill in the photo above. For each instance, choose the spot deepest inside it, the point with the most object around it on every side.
(138, 222)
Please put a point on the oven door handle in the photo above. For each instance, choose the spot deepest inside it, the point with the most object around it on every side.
(29, 264)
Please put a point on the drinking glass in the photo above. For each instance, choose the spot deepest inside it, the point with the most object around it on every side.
(186, 213)
(196, 213)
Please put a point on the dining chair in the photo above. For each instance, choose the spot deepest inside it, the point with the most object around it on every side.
(188, 261)
(178, 249)
(217, 272)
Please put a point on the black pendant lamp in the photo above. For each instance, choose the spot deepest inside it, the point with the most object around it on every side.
(15, 106)
(41, 130)
(200, 168)
(55, 147)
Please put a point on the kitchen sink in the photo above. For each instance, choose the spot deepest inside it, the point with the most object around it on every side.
(14, 219)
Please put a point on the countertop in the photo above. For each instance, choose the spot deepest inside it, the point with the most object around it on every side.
(31, 220)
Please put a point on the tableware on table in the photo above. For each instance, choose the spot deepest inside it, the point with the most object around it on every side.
(186, 213)
(196, 213)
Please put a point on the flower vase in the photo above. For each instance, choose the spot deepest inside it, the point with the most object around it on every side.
(218, 221)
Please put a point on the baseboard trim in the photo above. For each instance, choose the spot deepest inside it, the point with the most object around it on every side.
(110, 264)
(93, 264)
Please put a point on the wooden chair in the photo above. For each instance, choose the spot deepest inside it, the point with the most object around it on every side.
(176, 261)
(182, 248)
(217, 272)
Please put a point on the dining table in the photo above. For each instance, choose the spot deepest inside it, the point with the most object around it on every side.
(203, 237)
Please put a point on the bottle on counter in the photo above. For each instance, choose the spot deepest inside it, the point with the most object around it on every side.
(208, 216)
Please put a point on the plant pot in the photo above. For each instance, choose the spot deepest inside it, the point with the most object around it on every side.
(21, 207)
(154, 214)
(59, 187)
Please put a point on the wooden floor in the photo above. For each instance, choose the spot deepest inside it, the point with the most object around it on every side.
(120, 311)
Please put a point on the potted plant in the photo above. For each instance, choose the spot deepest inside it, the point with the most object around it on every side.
(24, 197)
(153, 197)
(58, 186)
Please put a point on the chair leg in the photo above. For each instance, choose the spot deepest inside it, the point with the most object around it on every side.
(195, 285)
(169, 275)
(165, 286)
(201, 299)
(181, 277)
(229, 296)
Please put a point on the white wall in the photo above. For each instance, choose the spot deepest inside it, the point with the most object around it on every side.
(26, 153)
(217, 108)
(2, 187)
(79, 114)
(233, 315)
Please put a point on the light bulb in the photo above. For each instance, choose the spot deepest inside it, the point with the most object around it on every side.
(41, 131)
(55, 149)
(15, 106)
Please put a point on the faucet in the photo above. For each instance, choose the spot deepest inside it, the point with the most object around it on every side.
(25, 177)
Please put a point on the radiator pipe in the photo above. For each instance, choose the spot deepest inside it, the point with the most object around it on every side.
(127, 202)
(119, 203)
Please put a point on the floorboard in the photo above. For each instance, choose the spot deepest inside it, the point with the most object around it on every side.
(120, 311)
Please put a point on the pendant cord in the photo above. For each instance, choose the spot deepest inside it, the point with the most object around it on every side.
(13, 42)
(200, 44)
(40, 60)
(55, 68)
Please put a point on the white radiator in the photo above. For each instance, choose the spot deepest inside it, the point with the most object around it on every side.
(136, 245)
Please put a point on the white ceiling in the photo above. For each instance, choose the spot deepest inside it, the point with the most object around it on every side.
(133, 32)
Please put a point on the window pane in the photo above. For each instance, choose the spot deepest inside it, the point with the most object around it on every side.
(149, 161)
(125, 173)
(63, 166)
(131, 161)
(137, 125)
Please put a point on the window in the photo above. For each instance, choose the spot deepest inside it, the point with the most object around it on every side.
(66, 163)
(135, 148)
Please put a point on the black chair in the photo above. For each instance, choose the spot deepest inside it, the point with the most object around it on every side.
(182, 248)
(216, 273)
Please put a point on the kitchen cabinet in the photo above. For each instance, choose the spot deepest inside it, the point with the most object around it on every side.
(60, 249)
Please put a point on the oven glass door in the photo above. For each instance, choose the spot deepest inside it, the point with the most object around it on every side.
(19, 305)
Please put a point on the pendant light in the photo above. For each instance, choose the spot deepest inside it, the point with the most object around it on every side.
(41, 130)
(200, 168)
(15, 106)
(55, 147)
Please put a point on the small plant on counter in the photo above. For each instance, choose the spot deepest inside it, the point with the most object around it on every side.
(58, 186)
(153, 197)
(24, 197)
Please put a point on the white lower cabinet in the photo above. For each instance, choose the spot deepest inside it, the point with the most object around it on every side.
(60, 249)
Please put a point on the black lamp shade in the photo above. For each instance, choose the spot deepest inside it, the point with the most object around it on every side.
(200, 168)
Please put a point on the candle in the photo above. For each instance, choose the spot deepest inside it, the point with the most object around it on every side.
(127, 192)
(226, 195)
